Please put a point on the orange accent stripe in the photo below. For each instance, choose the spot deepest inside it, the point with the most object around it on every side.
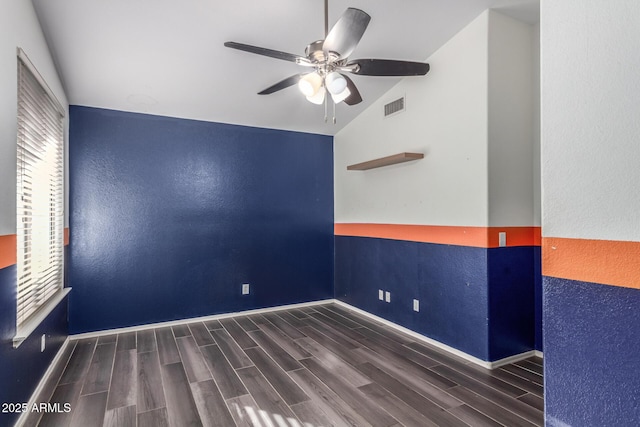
(8, 250)
(516, 236)
(481, 237)
(608, 262)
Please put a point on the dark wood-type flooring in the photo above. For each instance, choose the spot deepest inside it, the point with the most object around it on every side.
(315, 366)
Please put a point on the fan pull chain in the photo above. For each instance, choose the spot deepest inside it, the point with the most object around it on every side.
(325, 109)
(334, 113)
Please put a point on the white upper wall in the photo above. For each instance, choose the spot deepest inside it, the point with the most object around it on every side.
(18, 28)
(446, 119)
(511, 116)
(473, 116)
(537, 210)
(590, 119)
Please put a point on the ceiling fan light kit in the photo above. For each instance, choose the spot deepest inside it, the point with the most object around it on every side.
(318, 97)
(329, 59)
(335, 83)
(339, 97)
(310, 84)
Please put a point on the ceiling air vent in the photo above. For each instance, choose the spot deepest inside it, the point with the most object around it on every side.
(394, 107)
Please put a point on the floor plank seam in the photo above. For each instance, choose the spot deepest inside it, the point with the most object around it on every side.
(315, 365)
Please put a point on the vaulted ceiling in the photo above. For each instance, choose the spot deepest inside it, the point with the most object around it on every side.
(167, 56)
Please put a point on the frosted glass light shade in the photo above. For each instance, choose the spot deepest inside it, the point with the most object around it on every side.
(341, 96)
(318, 98)
(310, 84)
(335, 83)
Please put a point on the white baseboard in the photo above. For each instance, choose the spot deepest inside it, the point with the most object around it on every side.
(512, 359)
(488, 365)
(539, 354)
(197, 319)
(34, 396)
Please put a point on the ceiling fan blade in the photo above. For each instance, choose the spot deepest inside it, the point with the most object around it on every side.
(387, 67)
(268, 52)
(283, 84)
(347, 32)
(354, 97)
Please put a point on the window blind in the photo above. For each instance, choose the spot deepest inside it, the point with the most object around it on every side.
(40, 192)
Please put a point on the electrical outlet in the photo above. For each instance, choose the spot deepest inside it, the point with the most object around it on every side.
(42, 342)
(416, 305)
(502, 239)
(380, 294)
(245, 289)
(387, 296)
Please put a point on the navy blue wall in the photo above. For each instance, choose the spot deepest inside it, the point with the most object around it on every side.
(449, 281)
(480, 301)
(537, 282)
(169, 217)
(591, 362)
(22, 368)
(511, 285)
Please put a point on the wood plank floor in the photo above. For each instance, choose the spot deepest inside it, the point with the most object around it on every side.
(317, 366)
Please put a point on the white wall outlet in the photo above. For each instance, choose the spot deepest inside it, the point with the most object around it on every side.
(387, 296)
(380, 294)
(245, 289)
(416, 305)
(502, 239)
(42, 342)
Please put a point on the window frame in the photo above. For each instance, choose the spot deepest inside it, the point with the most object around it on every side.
(40, 141)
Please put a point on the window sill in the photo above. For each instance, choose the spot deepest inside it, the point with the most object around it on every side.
(30, 325)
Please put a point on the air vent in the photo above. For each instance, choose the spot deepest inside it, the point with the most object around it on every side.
(394, 107)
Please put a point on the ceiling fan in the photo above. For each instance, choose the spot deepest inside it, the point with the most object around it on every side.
(328, 60)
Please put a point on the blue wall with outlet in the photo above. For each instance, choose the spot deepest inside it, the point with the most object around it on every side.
(169, 217)
(22, 368)
(477, 300)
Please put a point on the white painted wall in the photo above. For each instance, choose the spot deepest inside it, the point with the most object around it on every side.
(472, 116)
(18, 28)
(446, 119)
(590, 119)
(537, 210)
(511, 199)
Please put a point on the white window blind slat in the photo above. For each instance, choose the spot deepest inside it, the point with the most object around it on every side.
(40, 193)
(36, 112)
(38, 95)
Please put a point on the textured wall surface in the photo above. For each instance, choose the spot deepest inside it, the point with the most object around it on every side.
(590, 149)
(169, 217)
(448, 186)
(537, 283)
(591, 369)
(591, 212)
(510, 130)
(511, 290)
(449, 281)
(476, 300)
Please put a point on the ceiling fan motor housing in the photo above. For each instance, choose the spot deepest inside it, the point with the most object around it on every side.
(324, 62)
(314, 51)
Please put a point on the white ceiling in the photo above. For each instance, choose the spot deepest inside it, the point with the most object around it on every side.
(167, 57)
